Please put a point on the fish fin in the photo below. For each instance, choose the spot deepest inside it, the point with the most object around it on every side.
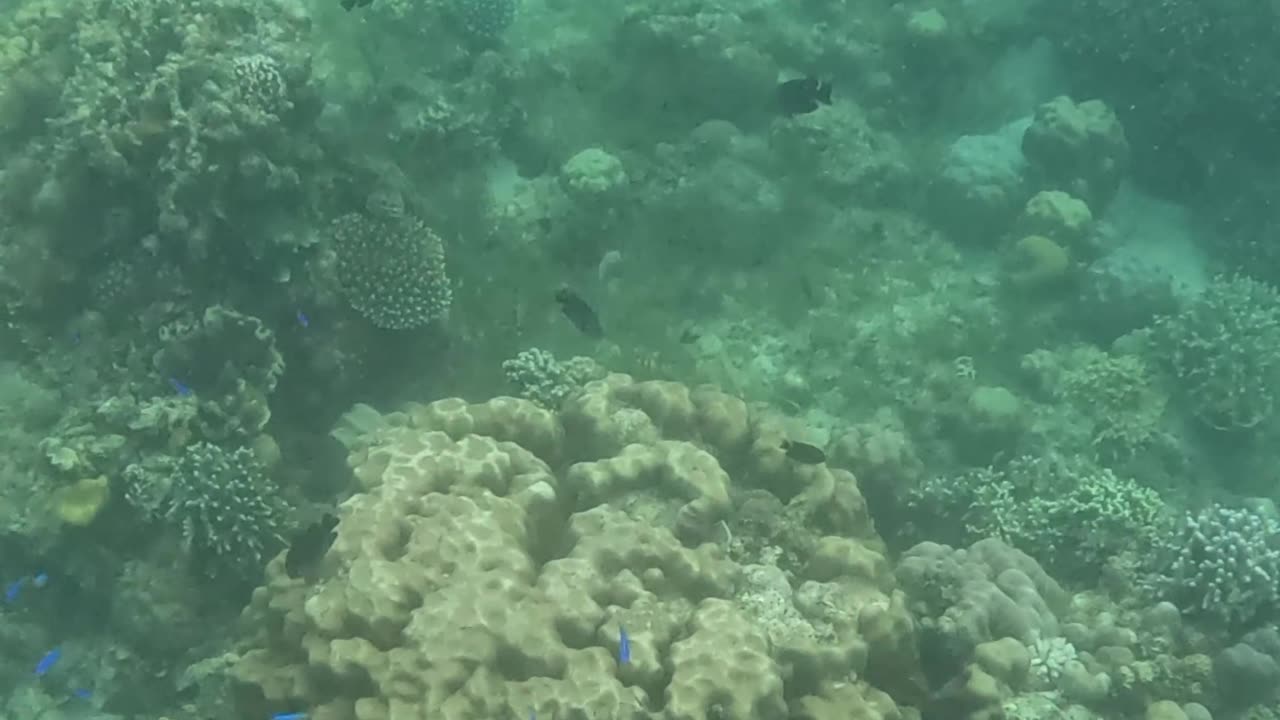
(824, 92)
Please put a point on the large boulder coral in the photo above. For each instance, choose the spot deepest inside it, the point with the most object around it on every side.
(1079, 148)
(982, 183)
(494, 553)
(966, 597)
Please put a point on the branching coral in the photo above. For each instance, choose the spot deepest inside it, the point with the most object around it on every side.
(1114, 397)
(1223, 563)
(1064, 512)
(229, 510)
(540, 377)
(1224, 351)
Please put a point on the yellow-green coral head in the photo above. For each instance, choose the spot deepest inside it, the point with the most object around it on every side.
(1037, 261)
(78, 504)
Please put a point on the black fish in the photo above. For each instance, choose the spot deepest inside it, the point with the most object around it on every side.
(349, 5)
(582, 315)
(802, 95)
(804, 452)
(309, 545)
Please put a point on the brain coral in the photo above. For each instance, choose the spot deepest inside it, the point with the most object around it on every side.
(391, 269)
(473, 578)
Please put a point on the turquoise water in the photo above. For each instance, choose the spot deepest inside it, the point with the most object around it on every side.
(505, 359)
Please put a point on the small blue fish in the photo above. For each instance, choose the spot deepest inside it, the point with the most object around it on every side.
(303, 320)
(179, 387)
(40, 580)
(624, 646)
(46, 663)
(82, 693)
(14, 589)
(289, 716)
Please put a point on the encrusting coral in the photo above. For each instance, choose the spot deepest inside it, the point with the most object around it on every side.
(496, 551)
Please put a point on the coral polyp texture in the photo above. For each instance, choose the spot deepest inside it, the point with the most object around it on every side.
(391, 269)
(474, 577)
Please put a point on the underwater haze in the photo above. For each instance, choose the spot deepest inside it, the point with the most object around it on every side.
(645, 360)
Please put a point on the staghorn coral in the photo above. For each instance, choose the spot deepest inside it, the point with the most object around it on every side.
(473, 577)
(391, 269)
